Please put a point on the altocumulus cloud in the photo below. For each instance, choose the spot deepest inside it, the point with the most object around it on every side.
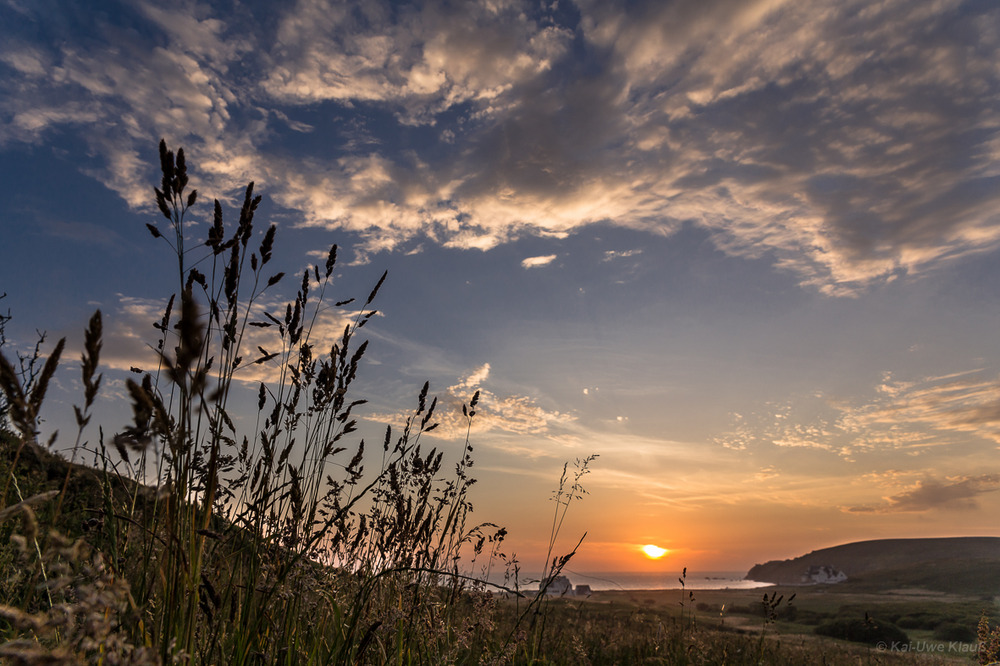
(823, 136)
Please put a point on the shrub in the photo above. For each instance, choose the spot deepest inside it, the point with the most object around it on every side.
(955, 631)
(989, 640)
(868, 630)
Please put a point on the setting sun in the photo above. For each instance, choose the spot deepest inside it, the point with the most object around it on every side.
(654, 552)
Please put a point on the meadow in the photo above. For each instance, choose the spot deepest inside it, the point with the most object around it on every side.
(186, 539)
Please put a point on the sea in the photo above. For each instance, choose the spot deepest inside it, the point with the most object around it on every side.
(646, 580)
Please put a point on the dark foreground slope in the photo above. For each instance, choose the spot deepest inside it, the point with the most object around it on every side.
(965, 564)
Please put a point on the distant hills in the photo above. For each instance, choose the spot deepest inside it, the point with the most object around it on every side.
(968, 565)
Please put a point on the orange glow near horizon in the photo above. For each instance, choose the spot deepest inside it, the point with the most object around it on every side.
(654, 552)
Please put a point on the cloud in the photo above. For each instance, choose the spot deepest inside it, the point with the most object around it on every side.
(821, 137)
(498, 414)
(679, 476)
(422, 60)
(797, 424)
(129, 336)
(128, 90)
(766, 473)
(611, 255)
(961, 403)
(912, 416)
(955, 493)
(536, 262)
(474, 379)
(131, 341)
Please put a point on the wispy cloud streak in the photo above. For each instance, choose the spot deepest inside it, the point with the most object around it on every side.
(900, 416)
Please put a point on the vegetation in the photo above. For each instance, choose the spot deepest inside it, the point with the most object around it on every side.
(199, 537)
(989, 641)
(273, 544)
(863, 630)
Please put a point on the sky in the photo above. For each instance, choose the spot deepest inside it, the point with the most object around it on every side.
(744, 251)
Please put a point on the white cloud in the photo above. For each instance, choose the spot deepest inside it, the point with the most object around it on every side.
(611, 255)
(495, 413)
(423, 60)
(536, 262)
(474, 379)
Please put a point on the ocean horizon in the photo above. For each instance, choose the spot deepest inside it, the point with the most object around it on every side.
(644, 580)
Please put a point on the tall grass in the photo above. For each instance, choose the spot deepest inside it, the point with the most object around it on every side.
(277, 543)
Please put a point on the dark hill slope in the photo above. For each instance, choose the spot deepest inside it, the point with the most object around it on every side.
(864, 559)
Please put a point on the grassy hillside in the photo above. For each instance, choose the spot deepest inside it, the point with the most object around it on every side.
(977, 577)
(957, 564)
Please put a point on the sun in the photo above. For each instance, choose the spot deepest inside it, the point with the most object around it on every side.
(654, 552)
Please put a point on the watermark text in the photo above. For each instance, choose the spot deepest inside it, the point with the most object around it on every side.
(942, 647)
